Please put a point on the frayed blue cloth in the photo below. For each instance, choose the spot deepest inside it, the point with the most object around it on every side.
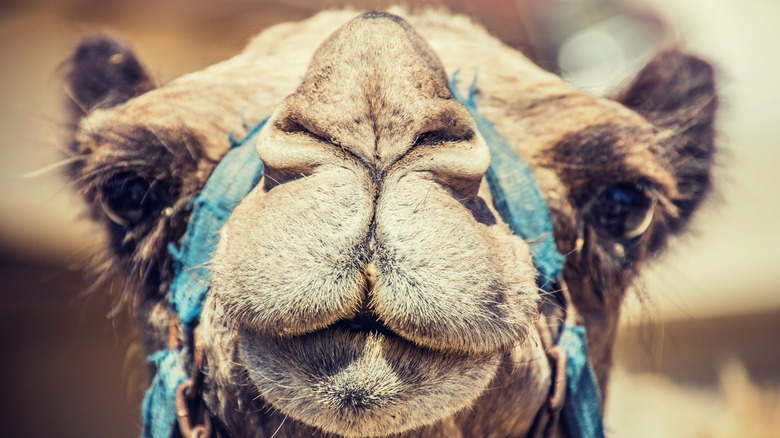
(516, 195)
(519, 201)
(582, 410)
(233, 178)
(159, 408)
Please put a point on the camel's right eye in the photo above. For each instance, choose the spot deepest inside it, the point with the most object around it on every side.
(624, 211)
(128, 199)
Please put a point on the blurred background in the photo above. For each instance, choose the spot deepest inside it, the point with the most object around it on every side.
(698, 353)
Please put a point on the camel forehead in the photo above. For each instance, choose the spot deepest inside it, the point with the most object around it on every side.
(372, 87)
(380, 45)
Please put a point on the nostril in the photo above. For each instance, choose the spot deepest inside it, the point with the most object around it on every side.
(291, 125)
(436, 137)
(455, 156)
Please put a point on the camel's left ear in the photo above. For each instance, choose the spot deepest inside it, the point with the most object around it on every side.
(103, 72)
(677, 92)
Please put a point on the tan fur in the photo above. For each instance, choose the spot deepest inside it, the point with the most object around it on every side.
(374, 203)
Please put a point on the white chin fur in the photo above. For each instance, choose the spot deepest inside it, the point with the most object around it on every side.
(362, 384)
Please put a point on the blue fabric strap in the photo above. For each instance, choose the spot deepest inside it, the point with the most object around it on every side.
(516, 195)
(519, 201)
(234, 177)
(159, 408)
(582, 410)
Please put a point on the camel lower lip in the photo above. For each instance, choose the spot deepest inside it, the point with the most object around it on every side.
(339, 380)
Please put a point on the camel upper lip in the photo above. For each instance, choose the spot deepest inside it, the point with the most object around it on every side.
(366, 320)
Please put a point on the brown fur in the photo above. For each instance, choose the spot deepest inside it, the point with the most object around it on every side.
(367, 287)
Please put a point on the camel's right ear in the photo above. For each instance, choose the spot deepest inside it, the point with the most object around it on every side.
(101, 73)
(678, 93)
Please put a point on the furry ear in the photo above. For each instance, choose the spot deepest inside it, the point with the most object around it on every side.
(677, 92)
(103, 72)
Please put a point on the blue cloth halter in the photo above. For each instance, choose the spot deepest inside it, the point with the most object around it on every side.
(235, 176)
(519, 201)
(516, 196)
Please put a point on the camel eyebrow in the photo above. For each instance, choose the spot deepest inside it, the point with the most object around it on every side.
(598, 155)
(598, 147)
(596, 141)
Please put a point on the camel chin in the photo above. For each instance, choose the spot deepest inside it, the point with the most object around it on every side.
(362, 384)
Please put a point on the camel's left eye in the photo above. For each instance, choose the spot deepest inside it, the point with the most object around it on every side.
(128, 199)
(623, 210)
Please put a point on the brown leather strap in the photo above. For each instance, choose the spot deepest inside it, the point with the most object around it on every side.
(556, 311)
(545, 424)
(191, 414)
(194, 421)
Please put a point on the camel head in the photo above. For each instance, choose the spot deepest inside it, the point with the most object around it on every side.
(367, 285)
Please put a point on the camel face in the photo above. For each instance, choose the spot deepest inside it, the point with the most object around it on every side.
(367, 285)
(336, 293)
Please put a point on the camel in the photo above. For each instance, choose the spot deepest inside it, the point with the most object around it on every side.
(365, 278)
